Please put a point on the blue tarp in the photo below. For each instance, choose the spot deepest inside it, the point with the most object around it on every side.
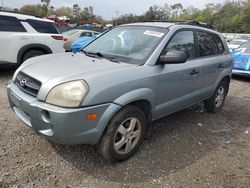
(81, 43)
(241, 61)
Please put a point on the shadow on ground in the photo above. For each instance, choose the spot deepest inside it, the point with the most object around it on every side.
(177, 141)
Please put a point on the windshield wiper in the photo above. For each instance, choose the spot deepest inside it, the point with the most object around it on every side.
(90, 54)
(106, 57)
(100, 55)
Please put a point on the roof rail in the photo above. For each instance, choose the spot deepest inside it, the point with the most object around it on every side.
(199, 24)
(167, 21)
(190, 22)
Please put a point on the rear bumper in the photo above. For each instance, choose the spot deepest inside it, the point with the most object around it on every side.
(61, 125)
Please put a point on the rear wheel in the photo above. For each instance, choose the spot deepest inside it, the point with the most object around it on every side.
(31, 53)
(124, 134)
(215, 103)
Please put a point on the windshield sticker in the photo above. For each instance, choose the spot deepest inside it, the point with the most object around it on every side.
(153, 33)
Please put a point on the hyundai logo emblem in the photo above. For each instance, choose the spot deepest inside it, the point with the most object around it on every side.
(23, 82)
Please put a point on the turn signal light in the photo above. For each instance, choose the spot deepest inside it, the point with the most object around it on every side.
(91, 116)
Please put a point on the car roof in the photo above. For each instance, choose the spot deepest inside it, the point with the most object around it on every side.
(24, 16)
(153, 24)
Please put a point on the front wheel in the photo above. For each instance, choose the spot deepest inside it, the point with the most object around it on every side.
(31, 53)
(215, 103)
(124, 134)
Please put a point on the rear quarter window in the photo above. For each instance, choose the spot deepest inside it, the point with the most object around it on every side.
(43, 27)
(11, 24)
(220, 45)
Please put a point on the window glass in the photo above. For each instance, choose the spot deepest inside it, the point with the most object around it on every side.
(182, 41)
(245, 48)
(11, 24)
(43, 27)
(128, 44)
(86, 34)
(219, 44)
(207, 44)
(71, 32)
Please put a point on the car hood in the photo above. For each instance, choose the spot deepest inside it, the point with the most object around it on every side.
(64, 67)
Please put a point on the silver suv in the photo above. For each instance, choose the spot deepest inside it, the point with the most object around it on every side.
(109, 93)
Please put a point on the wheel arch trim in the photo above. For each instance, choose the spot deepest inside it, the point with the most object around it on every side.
(28, 47)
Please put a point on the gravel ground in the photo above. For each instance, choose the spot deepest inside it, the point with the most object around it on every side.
(191, 148)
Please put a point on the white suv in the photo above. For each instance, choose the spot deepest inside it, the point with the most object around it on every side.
(23, 36)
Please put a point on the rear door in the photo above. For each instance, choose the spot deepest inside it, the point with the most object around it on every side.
(10, 30)
(211, 59)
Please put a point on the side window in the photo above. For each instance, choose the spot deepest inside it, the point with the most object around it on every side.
(207, 44)
(43, 27)
(182, 41)
(11, 24)
(86, 34)
(221, 48)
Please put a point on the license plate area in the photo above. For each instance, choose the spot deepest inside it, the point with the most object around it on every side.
(16, 100)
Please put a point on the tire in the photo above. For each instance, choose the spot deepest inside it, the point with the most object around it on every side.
(215, 103)
(123, 135)
(31, 53)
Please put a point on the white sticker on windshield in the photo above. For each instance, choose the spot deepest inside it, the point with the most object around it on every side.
(153, 33)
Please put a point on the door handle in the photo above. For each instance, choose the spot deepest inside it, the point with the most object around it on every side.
(24, 38)
(194, 72)
(220, 66)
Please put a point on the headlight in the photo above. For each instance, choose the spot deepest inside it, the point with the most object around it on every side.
(70, 94)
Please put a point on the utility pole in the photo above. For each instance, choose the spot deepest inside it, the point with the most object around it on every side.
(117, 12)
(2, 3)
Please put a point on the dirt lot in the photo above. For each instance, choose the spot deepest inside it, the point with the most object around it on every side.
(187, 149)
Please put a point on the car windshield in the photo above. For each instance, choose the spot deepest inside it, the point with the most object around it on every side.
(71, 32)
(245, 47)
(237, 42)
(128, 44)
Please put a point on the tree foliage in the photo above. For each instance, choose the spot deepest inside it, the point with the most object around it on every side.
(75, 13)
(231, 16)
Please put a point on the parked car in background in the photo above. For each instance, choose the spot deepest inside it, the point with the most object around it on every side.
(235, 43)
(109, 94)
(241, 63)
(82, 42)
(23, 36)
(72, 35)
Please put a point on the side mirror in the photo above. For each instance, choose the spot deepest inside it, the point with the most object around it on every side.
(173, 57)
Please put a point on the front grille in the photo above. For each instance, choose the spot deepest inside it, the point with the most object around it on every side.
(28, 84)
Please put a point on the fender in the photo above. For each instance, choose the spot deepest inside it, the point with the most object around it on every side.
(226, 73)
(135, 95)
(30, 47)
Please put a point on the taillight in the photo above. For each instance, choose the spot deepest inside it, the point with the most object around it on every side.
(65, 39)
(57, 37)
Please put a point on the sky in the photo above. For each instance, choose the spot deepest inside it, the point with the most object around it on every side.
(108, 8)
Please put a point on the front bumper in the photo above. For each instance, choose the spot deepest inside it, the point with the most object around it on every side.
(61, 125)
(235, 71)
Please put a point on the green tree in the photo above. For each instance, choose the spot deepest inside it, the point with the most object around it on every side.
(35, 10)
(176, 9)
(76, 11)
(64, 11)
(45, 7)
(190, 13)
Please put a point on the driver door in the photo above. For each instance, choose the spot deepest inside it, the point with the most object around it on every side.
(178, 83)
